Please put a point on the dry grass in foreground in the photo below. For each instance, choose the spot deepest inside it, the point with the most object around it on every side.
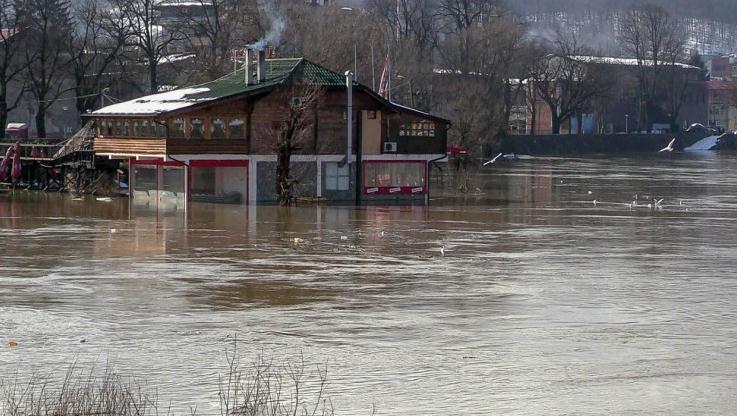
(260, 388)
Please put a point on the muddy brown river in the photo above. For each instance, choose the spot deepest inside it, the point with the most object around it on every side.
(542, 301)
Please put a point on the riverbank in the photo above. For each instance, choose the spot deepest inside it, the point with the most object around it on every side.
(588, 143)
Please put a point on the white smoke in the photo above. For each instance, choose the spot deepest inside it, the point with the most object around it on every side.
(276, 28)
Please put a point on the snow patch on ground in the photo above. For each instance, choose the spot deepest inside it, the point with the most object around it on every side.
(706, 143)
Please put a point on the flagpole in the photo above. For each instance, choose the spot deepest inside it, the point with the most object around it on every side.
(389, 77)
(373, 70)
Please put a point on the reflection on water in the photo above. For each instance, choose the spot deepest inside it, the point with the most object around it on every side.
(543, 303)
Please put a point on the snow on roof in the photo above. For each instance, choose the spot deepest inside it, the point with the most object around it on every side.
(443, 71)
(176, 57)
(609, 60)
(154, 104)
(185, 3)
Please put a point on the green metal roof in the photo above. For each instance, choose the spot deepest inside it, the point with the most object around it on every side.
(278, 72)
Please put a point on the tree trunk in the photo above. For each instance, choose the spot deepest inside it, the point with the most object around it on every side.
(579, 121)
(533, 120)
(41, 123)
(3, 117)
(556, 124)
(153, 82)
(283, 181)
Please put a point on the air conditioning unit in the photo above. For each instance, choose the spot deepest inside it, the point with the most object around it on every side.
(390, 147)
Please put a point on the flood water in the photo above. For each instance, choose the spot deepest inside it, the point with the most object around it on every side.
(543, 302)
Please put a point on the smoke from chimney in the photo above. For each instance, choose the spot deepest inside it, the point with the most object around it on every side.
(273, 35)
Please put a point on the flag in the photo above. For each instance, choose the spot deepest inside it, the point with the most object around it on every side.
(384, 81)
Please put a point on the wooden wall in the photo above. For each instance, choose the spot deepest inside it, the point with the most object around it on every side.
(130, 146)
(325, 132)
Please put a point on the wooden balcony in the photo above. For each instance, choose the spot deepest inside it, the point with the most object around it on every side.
(129, 146)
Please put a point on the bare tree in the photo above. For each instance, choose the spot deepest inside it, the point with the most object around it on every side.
(656, 40)
(212, 28)
(97, 43)
(10, 59)
(474, 80)
(47, 27)
(458, 15)
(568, 82)
(149, 36)
(294, 122)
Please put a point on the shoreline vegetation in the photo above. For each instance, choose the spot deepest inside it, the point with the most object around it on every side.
(259, 387)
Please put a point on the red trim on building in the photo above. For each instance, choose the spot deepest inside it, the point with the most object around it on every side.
(394, 190)
(213, 163)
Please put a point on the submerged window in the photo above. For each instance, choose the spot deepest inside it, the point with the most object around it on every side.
(394, 174)
(336, 177)
(197, 129)
(173, 179)
(236, 129)
(145, 177)
(217, 128)
(219, 184)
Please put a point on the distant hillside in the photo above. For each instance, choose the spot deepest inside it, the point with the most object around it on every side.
(717, 10)
(711, 24)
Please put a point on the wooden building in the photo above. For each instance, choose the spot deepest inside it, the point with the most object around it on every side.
(216, 141)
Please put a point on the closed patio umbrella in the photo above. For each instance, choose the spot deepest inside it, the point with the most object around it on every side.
(17, 170)
(5, 164)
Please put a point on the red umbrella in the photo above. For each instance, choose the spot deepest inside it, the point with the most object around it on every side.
(17, 168)
(5, 164)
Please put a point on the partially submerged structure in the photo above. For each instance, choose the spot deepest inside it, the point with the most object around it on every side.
(216, 141)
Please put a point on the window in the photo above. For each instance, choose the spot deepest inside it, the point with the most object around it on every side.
(137, 129)
(144, 129)
(217, 128)
(161, 129)
(127, 128)
(222, 184)
(371, 115)
(336, 177)
(196, 126)
(173, 179)
(145, 177)
(422, 128)
(176, 128)
(236, 129)
(118, 128)
(107, 128)
(394, 174)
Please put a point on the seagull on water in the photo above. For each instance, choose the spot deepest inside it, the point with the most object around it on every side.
(493, 160)
(668, 148)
